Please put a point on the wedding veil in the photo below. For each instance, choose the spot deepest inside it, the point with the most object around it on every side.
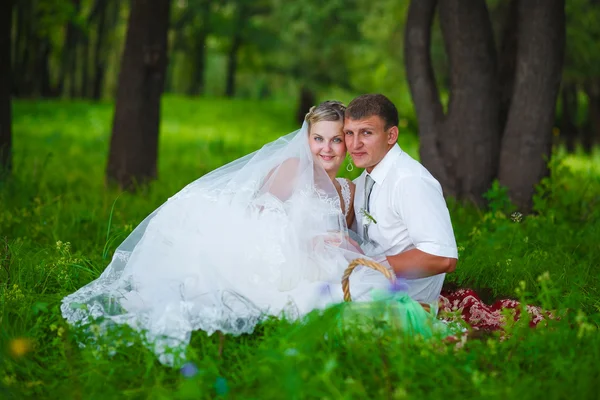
(253, 238)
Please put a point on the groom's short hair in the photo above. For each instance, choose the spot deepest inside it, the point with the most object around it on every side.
(367, 105)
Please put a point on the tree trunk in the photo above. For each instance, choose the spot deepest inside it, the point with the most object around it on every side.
(25, 49)
(134, 142)
(199, 53)
(592, 90)
(527, 139)
(507, 58)
(471, 124)
(45, 86)
(99, 63)
(423, 88)
(307, 100)
(568, 129)
(84, 82)
(236, 43)
(69, 50)
(5, 90)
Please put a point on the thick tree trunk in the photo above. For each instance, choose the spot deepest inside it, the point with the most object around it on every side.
(471, 125)
(236, 43)
(5, 89)
(421, 80)
(461, 149)
(134, 142)
(307, 100)
(199, 53)
(568, 129)
(507, 58)
(527, 139)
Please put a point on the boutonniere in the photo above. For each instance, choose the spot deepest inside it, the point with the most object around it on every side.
(367, 218)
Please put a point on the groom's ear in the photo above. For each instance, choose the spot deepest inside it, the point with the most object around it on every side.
(393, 135)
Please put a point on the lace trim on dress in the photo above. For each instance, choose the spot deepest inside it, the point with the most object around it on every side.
(345, 194)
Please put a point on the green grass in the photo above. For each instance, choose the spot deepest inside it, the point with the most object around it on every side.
(58, 195)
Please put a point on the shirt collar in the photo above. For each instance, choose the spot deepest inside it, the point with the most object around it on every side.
(381, 170)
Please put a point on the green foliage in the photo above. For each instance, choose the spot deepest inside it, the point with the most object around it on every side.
(55, 237)
(583, 34)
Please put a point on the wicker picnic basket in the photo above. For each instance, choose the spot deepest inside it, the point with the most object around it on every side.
(373, 265)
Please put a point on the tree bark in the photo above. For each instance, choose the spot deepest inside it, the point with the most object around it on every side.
(199, 53)
(25, 48)
(527, 139)
(568, 129)
(69, 50)
(592, 89)
(99, 62)
(460, 149)
(5, 88)
(471, 126)
(134, 142)
(84, 77)
(307, 100)
(423, 88)
(45, 85)
(236, 43)
(507, 58)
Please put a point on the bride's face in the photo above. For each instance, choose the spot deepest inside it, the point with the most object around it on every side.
(326, 140)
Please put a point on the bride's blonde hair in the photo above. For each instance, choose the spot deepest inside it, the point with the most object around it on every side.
(330, 110)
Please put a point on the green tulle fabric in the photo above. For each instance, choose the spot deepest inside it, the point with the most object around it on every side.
(393, 311)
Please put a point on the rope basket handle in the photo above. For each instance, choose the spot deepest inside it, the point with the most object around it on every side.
(373, 265)
(367, 263)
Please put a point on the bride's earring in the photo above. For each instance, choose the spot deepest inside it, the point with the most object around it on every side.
(349, 166)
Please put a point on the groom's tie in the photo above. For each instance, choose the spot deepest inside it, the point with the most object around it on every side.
(369, 182)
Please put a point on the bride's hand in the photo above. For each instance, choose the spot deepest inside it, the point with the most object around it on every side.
(354, 244)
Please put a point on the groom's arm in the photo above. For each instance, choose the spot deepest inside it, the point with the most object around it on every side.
(418, 264)
(420, 203)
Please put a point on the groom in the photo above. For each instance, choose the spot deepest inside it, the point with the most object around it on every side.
(399, 205)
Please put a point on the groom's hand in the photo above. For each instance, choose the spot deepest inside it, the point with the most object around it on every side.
(418, 264)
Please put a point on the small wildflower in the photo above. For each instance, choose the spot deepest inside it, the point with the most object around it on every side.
(189, 370)
(95, 329)
(544, 277)
(20, 346)
(516, 216)
(522, 285)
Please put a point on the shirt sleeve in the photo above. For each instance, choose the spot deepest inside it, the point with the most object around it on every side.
(420, 203)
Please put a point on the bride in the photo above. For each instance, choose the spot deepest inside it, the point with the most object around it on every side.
(265, 235)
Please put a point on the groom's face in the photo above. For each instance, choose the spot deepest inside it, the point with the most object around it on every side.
(368, 141)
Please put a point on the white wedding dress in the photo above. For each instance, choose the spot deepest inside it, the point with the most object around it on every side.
(262, 236)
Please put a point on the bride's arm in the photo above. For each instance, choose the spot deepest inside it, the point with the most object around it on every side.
(280, 181)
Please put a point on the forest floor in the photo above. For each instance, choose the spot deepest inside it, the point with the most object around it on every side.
(59, 224)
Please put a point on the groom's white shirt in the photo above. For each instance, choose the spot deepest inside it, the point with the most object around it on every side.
(408, 204)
